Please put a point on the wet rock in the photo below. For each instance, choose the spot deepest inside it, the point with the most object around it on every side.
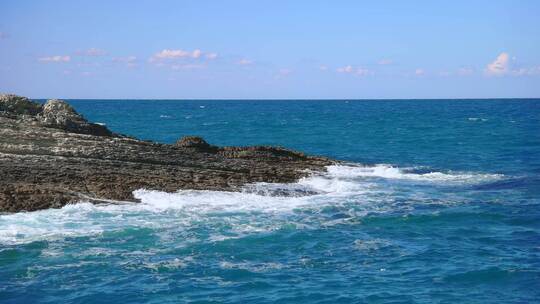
(51, 156)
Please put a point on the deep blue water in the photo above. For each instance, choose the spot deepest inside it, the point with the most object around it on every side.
(445, 209)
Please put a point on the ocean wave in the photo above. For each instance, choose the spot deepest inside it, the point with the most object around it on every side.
(390, 172)
(335, 197)
(241, 213)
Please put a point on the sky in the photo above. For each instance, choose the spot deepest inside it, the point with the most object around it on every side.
(270, 49)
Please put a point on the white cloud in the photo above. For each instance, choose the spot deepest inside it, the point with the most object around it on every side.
(323, 68)
(55, 59)
(168, 54)
(385, 61)
(500, 66)
(504, 65)
(245, 61)
(196, 53)
(349, 69)
(363, 72)
(180, 54)
(419, 72)
(345, 69)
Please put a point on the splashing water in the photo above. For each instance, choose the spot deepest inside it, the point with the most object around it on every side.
(261, 206)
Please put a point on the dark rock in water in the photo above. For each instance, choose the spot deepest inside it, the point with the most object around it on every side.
(51, 156)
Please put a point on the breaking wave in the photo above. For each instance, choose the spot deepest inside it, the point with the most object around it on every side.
(343, 193)
(391, 172)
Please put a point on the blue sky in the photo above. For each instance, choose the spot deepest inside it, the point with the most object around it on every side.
(270, 49)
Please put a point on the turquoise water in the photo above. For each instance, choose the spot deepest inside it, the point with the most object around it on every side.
(444, 208)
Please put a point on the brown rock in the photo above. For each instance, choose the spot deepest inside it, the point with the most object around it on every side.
(51, 156)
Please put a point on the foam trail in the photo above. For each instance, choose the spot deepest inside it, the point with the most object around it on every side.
(391, 172)
(202, 201)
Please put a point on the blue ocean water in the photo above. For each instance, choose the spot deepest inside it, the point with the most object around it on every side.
(440, 204)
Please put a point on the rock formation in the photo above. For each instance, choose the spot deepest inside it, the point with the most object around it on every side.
(51, 156)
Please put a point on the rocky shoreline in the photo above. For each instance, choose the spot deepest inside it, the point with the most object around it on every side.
(51, 156)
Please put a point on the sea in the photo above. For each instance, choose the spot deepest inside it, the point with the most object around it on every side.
(438, 201)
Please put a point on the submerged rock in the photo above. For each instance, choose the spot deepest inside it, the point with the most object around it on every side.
(51, 156)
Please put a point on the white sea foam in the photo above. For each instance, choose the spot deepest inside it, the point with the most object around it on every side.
(391, 172)
(252, 267)
(349, 190)
(476, 119)
(197, 201)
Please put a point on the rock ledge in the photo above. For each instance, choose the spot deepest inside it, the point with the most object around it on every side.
(51, 156)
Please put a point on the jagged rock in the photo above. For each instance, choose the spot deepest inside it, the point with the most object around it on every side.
(53, 114)
(17, 105)
(51, 156)
(59, 114)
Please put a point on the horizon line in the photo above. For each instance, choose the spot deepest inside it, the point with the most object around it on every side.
(292, 99)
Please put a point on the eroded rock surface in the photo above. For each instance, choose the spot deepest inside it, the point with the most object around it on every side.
(51, 156)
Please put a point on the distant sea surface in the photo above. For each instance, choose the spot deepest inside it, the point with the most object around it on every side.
(440, 204)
